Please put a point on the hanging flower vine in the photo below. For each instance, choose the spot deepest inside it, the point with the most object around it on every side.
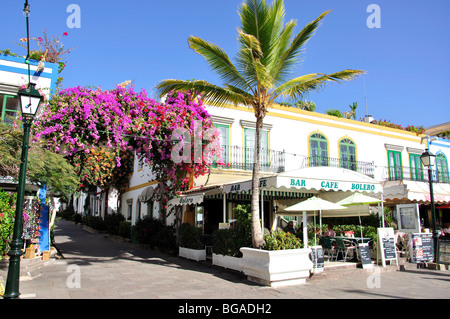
(97, 130)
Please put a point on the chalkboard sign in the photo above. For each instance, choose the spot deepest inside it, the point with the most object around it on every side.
(422, 247)
(365, 255)
(386, 245)
(389, 248)
(318, 262)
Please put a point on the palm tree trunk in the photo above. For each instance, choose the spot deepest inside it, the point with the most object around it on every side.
(257, 237)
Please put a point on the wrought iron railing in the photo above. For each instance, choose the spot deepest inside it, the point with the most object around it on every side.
(366, 168)
(242, 158)
(395, 173)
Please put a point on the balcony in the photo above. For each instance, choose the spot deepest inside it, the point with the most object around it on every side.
(366, 168)
(241, 158)
(413, 174)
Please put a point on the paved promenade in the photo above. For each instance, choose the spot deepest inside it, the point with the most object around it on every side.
(97, 267)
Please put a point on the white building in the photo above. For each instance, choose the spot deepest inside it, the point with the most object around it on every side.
(292, 139)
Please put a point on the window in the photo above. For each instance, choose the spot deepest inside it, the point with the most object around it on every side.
(129, 208)
(250, 149)
(395, 165)
(224, 141)
(9, 107)
(347, 154)
(415, 165)
(442, 168)
(318, 146)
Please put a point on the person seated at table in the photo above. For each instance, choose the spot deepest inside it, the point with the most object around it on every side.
(290, 228)
(330, 232)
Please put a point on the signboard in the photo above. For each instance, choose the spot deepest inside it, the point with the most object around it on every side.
(408, 218)
(317, 257)
(364, 252)
(386, 245)
(224, 225)
(444, 251)
(422, 249)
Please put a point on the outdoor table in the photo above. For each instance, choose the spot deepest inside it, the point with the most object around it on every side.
(357, 240)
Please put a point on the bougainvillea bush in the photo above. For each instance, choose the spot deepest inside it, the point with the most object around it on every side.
(95, 128)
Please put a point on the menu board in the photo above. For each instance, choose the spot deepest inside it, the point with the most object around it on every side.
(386, 244)
(319, 260)
(365, 256)
(444, 250)
(422, 247)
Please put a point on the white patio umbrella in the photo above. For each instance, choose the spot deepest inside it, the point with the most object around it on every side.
(357, 199)
(313, 204)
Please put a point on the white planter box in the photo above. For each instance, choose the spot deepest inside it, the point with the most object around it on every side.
(227, 262)
(193, 254)
(276, 268)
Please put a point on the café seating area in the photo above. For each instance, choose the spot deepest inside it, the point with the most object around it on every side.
(343, 248)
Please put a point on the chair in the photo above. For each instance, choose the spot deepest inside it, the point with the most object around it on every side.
(327, 244)
(344, 246)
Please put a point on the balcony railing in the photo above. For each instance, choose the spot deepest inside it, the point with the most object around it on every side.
(366, 168)
(396, 173)
(242, 158)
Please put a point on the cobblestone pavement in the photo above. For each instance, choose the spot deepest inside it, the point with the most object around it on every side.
(95, 266)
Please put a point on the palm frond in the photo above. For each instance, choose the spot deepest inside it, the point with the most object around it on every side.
(212, 94)
(297, 87)
(218, 61)
(249, 62)
(290, 56)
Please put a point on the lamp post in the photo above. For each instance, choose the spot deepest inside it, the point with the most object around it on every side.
(30, 100)
(427, 161)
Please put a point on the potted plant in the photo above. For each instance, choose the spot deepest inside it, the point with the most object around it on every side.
(282, 262)
(190, 241)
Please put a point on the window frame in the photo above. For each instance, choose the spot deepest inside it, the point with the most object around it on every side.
(394, 170)
(3, 108)
(313, 158)
(442, 168)
(351, 164)
(264, 159)
(416, 173)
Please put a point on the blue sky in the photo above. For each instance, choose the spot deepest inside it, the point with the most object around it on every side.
(406, 59)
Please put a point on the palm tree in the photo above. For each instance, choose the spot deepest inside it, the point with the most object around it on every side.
(268, 53)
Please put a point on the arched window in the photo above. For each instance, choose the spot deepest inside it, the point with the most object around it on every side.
(347, 154)
(442, 168)
(318, 146)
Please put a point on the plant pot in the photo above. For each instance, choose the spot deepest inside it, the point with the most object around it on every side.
(194, 254)
(227, 262)
(278, 267)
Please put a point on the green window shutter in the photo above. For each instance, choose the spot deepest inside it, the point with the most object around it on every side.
(442, 168)
(395, 165)
(347, 150)
(318, 150)
(415, 165)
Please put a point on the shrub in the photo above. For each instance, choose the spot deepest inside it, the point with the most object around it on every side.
(7, 213)
(124, 229)
(112, 222)
(165, 239)
(280, 240)
(190, 237)
(155, 233)
(95, 222)
(229, 241)
(146, 229)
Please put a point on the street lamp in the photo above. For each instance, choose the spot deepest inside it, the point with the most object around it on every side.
(30, 100)
(427, 159)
